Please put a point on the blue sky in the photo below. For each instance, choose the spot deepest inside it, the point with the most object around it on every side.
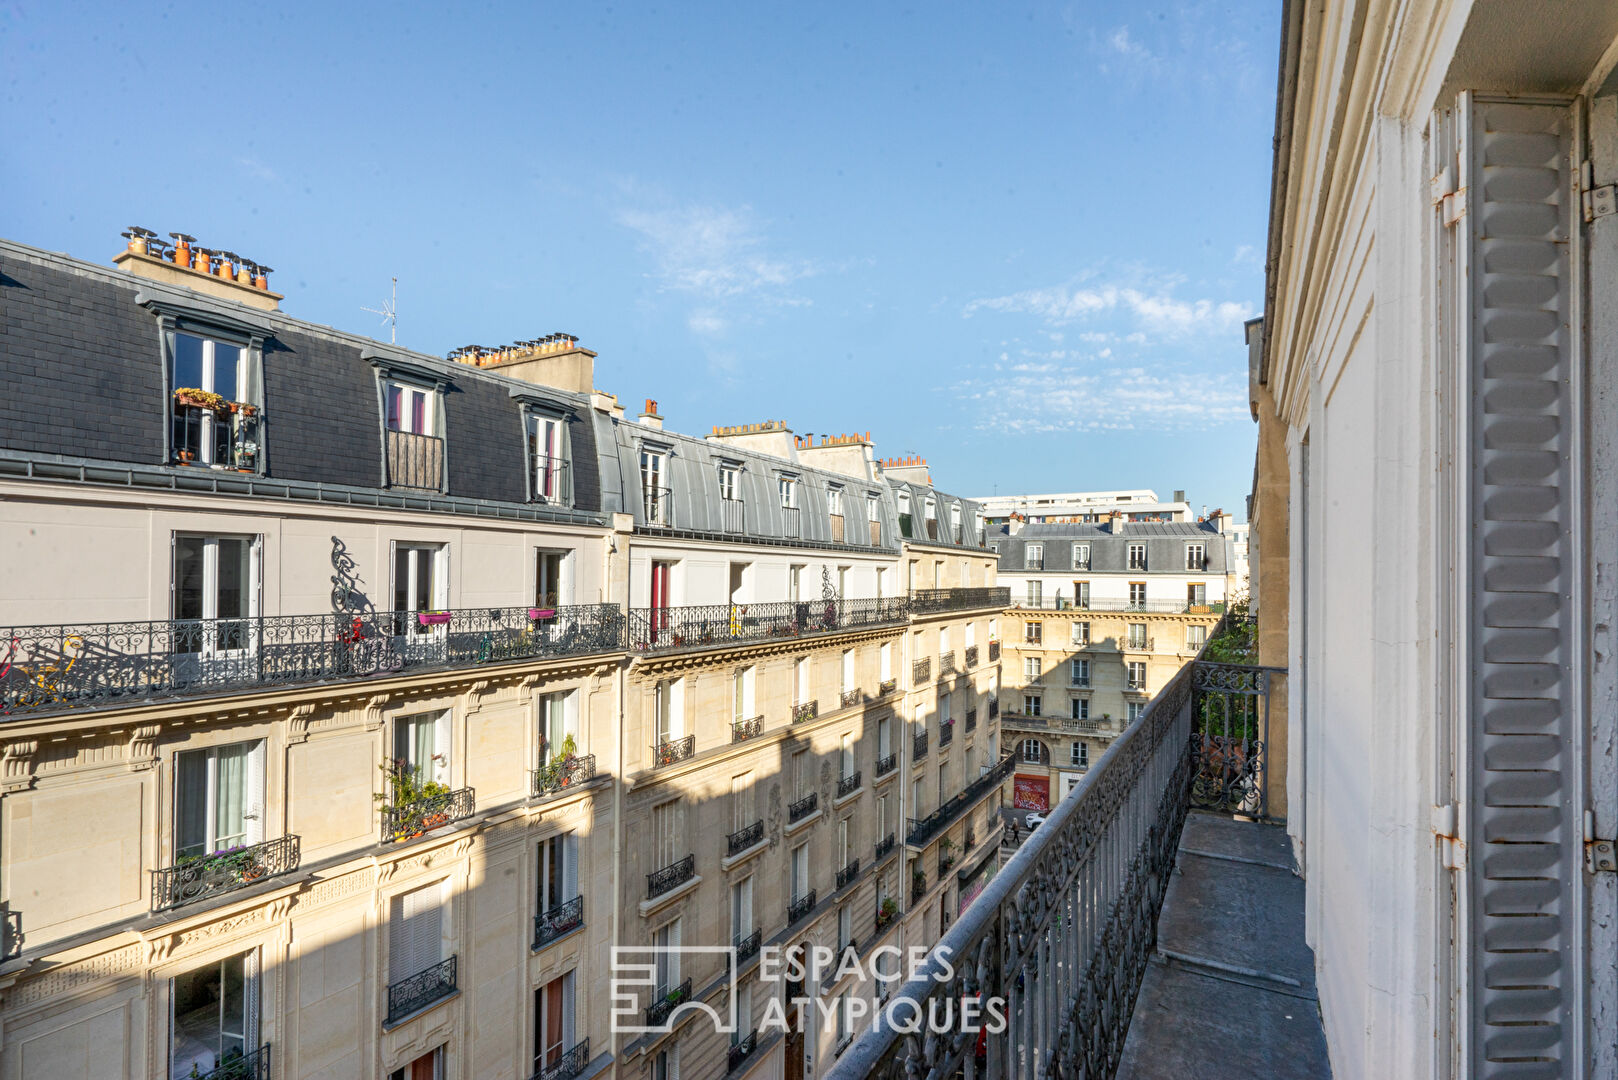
(1017, 241)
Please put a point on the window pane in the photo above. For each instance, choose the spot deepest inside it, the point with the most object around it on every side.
(188, 580)
(210, 1017)
(188, 362)
(401, 579)
(394, 401)
(234, 579)
(227, 364)
(418, 411)
(191, 803)
(230, 796)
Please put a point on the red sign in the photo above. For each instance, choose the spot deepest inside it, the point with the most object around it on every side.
(1031, 792)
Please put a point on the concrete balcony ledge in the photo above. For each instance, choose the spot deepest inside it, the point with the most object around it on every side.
(1230, 990)
(729, 862)
(663, 900)
(802, 823)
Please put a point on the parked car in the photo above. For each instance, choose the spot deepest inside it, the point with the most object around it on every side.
(1034, 821)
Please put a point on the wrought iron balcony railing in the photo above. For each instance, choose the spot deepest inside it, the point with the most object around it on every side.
(85, 665)
(671, 876)
(558, 922)
(741, 1051)
(946, 734)
(888, 686)
(563, 773)
(412, 994)
(791, 522)
(946, 664)
(800, 906)
(553, 480)
(886, 764)
(665, 1002)
(921, 671)
(918, 746)
(235, 1065)
(931, 601)
(971, 719)
(1102, 862)
(733, 515)
(568, 1064)
(406, 821)
(742, 730)
(847, 785)
(221, 872)
(884, 845)
(805, 710)
(971, 657)
(994, 651)
(673, 750)
(744, 838)
(849, 698)
(924, 829)
(848, 873)
(657, 505)
(801, 809)
(719, 626)
(748, 947)
(1108, 603)
(415, 461)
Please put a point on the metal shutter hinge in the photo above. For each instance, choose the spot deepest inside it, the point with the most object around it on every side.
(1599, 855)
(1596, 201)
(1451, 203)
(1451, 846)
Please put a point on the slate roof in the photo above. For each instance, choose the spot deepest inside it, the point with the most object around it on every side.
(1109, 552)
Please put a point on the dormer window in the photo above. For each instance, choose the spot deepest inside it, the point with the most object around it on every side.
(657, 503)
(731, 507)
(955, 522)
(834, 510)
(932, 518)
(788, 487)
(906, 528)
(549, 471)
(213, 421)
(415, 452)
(873, 519)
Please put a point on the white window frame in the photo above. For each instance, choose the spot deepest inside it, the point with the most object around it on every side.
(1137, 557)
(548, 470)
(403, 419)
(1033, 557)
(252, 798)
(1195, 554)
(1081, 556)
(210, 379)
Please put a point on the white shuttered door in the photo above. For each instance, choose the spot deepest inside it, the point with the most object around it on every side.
(416, 934)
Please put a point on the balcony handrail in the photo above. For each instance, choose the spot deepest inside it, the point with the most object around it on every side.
(408, 820)
(569, 1064)
(801, 809)
(1101, 861)
(886, 764)
(225, 871)
(707, 626)
(670, 751)
(559, 921)
(847, 785)
(929, 601)
(744, 838)
(415, 992)
(563, 773)
(60, 667)
(1162, 607)
(924, 829)
(671, 876)
(234, 1065)
(742, 730)
(657, 504)
(415, 461)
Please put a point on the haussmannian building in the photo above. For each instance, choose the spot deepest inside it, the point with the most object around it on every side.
(358, 704)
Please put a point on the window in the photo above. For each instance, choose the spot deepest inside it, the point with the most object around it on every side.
(1081, 595)
(666, 939)
(842, 583)
(845, 1023)
(1081, 633)
(955, 522)
(216, 585)
(742, 691)
(1196, 557)
(1031, 667)
(800, 680)
(553, 1022)
(218, 799)
(741, 910)
(946, 710)
(1137, 635)
(420, 584)
(559, 723)
(549, 593)
(1033, 557)
(943, 640)
(666, 833)
(214, 1015)
(834, 501)
(845, 847)
(1081, 708)
(547, 457)
(1080, 755)
(794, 583)
(881, 582)
(799, 881)
(741, 801)
(415, 933)
(1195, 636)
(788, 488)
(656, 501)
(410, 409)
(1135, 709)
(668, 710)
(884, 736)
(1033, 750)
(847, 763)
(421, 746)
(971, 635)
(666, 1066)
(1030, 704)
(1036, 593)
(886, 655)
(558, 871)
(802, 781)
(730, 482)
(204, 434)
(845, 924)
(1196, 593)
(1137, 595)
(1137, 556)
(415, 455)
(881, 817)
(1079, 669)
(906, 528)
(429, 1066)
(1081, 556)
(1033, 633)
(930, 509)
(1137, 675)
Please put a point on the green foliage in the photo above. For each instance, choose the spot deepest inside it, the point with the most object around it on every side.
(1237, 643)
(405, 785)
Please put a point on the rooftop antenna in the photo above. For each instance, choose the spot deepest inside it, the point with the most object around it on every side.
(390, 314)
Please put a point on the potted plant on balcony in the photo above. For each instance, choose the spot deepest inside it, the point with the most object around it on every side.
(407, 788)
(887, 912)
(201, 399)
(432, 618)
(558, 772)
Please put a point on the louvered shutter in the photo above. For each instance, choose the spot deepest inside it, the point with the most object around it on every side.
(1519, 800)
(570, 866)
(417, 933)
(568, 1016)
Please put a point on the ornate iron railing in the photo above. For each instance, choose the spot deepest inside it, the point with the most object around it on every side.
(415, 461)
(946, 664)
(1230, 738)
(570, 1064)
(924, 829)
(747, 947)
(849, 698)
(888, 686)
(711, 626)
(83, 665)
(657, 505)
(559, 921)
(801, 809)
(800, 906)
(235, 1065)
(553, 480)
(742, 730)
(971, 657)
(971, 719)
(847, 785)
(946, 734)
(742, 839)
(671, 876)
(918, 746)
(412, 994)
(921, 671)
(885, 765)
(667, 999)
(667, 753)
(741, 1051)
(805, 710)
(848, 873)
(884, 845)
(994, 708)
(407, 821)
(564, 773)
(1062, 934)
(929, 601)
(994, 651)
(1168, 607)
(225, 871)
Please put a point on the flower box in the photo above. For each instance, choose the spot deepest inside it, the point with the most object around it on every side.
(537, 613)
(433, 618)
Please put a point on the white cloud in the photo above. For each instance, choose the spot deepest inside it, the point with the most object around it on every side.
(715, 253)
(1120, 42)
(707, 322)
(1154, 311)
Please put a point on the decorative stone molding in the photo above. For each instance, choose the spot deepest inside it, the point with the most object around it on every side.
(298, 721)
(71, 977)
(471, 696)
(17, 766)
(143, 747)
(373, 711)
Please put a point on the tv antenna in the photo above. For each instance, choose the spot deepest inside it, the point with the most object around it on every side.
(390, 313)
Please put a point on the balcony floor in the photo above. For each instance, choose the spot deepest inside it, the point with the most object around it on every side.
(1230, 991)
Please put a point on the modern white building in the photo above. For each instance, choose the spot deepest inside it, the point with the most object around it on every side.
(1140, 504)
